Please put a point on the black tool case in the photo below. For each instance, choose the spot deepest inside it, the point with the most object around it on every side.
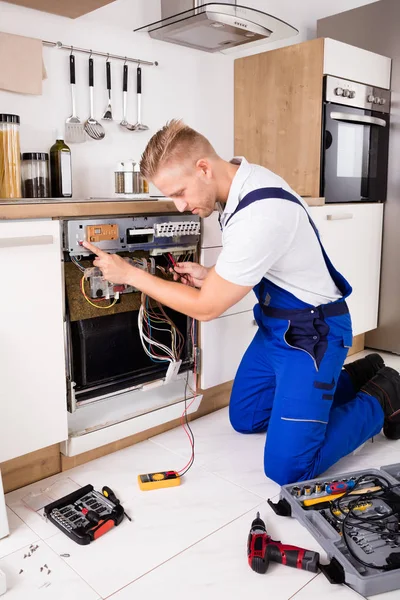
(343, 567)
(65, 513)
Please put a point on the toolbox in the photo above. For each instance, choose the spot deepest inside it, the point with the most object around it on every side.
(337, 511)
(71, 514)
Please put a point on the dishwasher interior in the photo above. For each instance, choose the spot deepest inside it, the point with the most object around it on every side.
(117, 339)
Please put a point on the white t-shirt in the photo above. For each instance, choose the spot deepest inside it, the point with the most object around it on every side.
(272, 238)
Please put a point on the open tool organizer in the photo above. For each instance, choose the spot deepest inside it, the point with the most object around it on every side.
(359, 531)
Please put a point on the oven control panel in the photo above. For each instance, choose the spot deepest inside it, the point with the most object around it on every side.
(126, 234)
(359, 95)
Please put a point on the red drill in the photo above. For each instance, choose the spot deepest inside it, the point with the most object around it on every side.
(261, 550)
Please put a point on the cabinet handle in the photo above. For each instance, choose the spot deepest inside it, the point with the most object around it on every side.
(19, 242)
(339, 217)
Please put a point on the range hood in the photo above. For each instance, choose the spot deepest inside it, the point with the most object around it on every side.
(215, 26)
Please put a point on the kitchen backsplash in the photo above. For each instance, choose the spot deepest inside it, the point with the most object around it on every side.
(187, 84)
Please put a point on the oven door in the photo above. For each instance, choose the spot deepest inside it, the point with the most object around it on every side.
(355, 154)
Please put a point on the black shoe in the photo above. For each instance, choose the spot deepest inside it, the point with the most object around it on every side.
(385, 387)
(364, 369)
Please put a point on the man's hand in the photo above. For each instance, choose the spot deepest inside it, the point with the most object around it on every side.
(193, 274)
(114, 268)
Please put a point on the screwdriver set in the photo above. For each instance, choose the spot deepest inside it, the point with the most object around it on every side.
(86, 514)
(356, 519)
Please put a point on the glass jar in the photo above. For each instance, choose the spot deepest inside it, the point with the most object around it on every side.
(10, 157)
(35, 175)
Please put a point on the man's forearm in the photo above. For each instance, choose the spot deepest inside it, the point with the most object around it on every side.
(179, 297)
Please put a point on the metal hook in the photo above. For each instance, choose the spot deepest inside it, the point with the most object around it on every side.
(108, 57)
(91, 52)
(125, 60)
(72, 50)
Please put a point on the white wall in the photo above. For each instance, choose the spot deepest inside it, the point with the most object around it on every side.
(190, 84)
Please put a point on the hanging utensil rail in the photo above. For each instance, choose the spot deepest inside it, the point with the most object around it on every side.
(62, 46)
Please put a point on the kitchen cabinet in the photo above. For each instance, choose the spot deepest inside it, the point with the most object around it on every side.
(278, 104)
(349, 62)
(224, 340)
(223, 343)
(32, 362)
(72, 9)
(352, 237)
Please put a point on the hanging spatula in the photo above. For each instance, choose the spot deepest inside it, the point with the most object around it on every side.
(74, 131)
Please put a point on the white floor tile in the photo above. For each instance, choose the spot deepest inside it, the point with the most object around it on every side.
(20, 535)
(64, 583)
(165, 522)
(235, 457)
(319, 587)
(24, 501)
(217, 566)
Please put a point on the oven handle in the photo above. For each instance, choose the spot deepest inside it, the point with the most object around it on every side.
(361, 119)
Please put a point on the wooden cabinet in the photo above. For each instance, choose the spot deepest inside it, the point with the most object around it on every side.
(278, 112)
(33, 412)
(72, 9)
(278, 104)
(352, 237)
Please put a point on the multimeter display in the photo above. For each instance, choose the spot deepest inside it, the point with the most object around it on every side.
(162, 479)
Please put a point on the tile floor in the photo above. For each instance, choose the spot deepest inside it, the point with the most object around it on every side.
(185, 542)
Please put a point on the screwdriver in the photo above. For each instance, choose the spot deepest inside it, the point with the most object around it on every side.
(108, 493)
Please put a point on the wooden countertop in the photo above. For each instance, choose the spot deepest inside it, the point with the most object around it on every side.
(21, 209)
(24, 209)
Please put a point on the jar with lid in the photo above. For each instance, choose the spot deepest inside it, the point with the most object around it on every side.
(137, 180)
(35, 175)
(10, 157)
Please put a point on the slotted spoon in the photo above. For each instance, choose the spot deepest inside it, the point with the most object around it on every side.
(92, 127)
(124, 122)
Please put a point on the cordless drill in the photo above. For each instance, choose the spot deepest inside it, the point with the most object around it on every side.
(261, 550)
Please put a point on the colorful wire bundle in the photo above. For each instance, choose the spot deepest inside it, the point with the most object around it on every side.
(150, 320)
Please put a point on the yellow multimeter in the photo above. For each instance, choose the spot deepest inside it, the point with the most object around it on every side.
(154, 481)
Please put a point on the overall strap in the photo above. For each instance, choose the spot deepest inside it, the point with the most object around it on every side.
(265, 194)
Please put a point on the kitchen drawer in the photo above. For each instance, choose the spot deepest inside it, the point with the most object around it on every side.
(223, 343)
(352, 237)
(208, 258)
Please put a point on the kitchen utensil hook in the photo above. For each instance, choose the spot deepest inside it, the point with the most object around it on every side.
(72, 50)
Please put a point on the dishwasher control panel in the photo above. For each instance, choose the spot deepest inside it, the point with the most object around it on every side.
(127, 234)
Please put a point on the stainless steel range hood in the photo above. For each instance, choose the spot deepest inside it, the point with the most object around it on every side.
(215, 26)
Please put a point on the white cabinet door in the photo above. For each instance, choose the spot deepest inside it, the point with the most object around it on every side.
(33, 412)
(208, 258)
(223, 343)
(211, 235)
(349, 62)
(352, 237)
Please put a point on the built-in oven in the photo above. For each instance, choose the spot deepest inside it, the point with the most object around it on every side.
(355, 142)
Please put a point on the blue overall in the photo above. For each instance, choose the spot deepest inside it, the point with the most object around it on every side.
(290, 380)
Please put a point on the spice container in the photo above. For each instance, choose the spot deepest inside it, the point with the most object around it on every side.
(119, 179)
(35, 175)
(10, 157)
(137, 180)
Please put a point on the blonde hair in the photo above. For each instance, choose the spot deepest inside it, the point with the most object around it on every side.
(174, 142)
